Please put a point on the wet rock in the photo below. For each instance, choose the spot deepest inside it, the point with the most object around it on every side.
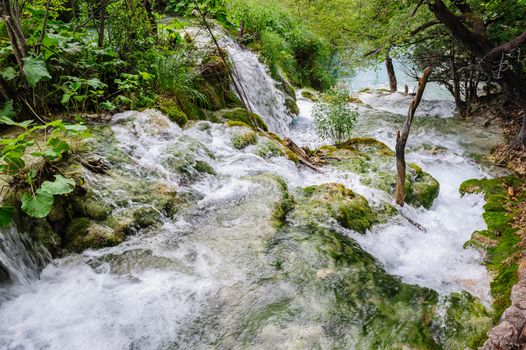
(242, 115)
(82, 233)
(349, 209)
(145, 217)
(422, 189)
(291, 105)
(4, 273)
(242, 140)
(518, 295)
(376, 165)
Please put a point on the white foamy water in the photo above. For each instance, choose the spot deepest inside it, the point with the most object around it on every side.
(187, 283)
(435, 259)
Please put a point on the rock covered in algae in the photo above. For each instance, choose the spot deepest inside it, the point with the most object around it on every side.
(501, 243)
(333, 200)
(244, 116)
(376, 165)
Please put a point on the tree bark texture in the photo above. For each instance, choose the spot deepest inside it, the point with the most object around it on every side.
(402, 136)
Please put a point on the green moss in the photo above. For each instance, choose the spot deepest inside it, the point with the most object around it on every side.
(82, 233)
(269, 149)
(500, 241)
(204, 167)
(292, 106)
(146, 216)
(241, 141)
(242, 115)
(422, 188)
(375, 162)
(233, 123)
(172, 110)
(349, 209)
(466, 322)
(214, 96)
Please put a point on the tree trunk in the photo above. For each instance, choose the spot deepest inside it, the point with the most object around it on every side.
(102, 23)
(393, 84)
(401, 139)
(151, 17)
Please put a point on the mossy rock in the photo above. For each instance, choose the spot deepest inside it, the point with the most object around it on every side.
(242, 115)
(269, 149)
(376, 164)
(172, 110)
(500, 242)
(242, 140)
(204, 167)
(233, 123)
(349, 209)
(422, 188)
(146, 216)
(310, 95)
(215, 98)
(83, 233)
(291, 105)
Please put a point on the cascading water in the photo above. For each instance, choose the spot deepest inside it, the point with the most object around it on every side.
(219, 274)
(258, 88)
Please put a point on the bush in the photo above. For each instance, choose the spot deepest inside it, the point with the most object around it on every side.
(174, 74)
(285, 43)
(334, 118)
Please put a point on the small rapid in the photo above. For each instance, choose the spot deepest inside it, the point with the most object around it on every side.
(220, 273)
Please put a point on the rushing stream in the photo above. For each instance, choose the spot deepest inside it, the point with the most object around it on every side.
(219, 274)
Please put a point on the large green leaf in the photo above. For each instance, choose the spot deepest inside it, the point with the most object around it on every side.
(61, 185)
(35, 70)
(7, 110)
(38, 205)
(8, 73)
(6, 215)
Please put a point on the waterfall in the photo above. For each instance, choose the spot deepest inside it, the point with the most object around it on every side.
(19, 258)
(259, 88)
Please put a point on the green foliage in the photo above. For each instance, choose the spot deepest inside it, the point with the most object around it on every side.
(284, 42)
(35, 70)
(15, 171)
(214, 8)
(6, 215)
(176, 75)
(37, 205)
(334, 118)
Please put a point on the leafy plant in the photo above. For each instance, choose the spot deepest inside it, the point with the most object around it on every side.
(335, 118)
(38, 200)
(176, 75)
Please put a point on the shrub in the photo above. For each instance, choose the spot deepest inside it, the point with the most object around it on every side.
(174, 74)
(334, 118)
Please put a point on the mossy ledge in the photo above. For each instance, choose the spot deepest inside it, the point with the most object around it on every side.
(503, 243)
(243, 116)
(375, 162)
